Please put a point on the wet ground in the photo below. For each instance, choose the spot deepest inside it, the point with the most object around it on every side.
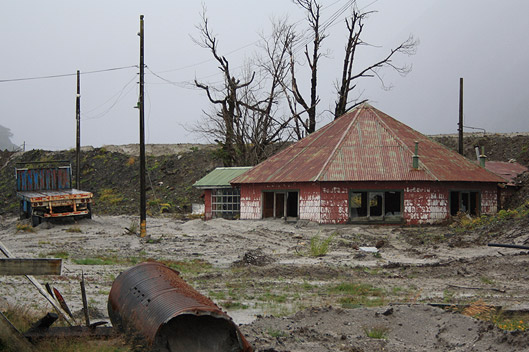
(286, 291)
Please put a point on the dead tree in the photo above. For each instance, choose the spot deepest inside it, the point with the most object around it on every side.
(245, 122)
(355, 26)
(312, 55)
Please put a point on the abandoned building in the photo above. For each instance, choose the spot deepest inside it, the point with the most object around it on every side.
(221, 199)
(364, 167)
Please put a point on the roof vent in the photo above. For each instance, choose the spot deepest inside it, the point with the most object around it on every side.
(416, 156)
(482, 157)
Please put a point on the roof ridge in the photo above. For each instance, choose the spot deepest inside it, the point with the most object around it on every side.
(342, 138)
(402, 144)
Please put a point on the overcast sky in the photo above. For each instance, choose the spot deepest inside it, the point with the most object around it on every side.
(483, 41)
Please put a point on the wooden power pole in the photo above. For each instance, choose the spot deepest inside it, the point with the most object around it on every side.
(460, 129)
(143, 202)
(78, 134)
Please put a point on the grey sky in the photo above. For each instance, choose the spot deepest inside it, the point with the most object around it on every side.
(482, 41)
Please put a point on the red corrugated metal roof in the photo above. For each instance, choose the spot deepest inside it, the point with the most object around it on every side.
(365, 144)
(506, 170)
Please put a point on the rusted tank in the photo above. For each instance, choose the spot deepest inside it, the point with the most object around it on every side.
(153, 304)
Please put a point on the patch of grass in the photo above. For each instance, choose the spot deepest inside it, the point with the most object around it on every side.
(21, 317)
(359, 295)
(463, 222)
(24, 227)
(191, 267)
(57, 254)
(448, 296)
(132, 229)
(275, 333)
(319, 247)
(74, 229)
(109, 196)
(273, 297)
(229, 304)
(486, 280)
(376, 332)
(217, 295)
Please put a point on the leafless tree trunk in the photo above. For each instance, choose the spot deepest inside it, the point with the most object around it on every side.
(246, 123)
(355, 26)
(312, 8)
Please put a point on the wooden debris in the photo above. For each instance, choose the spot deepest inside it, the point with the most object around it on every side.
(23, 266)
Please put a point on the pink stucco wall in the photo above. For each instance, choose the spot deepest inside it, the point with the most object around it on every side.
(327, 203)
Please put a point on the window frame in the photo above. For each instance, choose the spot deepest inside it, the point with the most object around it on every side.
(379, 218)
(225, 203)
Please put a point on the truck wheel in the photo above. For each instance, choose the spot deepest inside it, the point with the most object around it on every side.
(89, 207)
(35, 220)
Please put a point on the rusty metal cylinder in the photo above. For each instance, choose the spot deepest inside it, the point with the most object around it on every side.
(153, 304)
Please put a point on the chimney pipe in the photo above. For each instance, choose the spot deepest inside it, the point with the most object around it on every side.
(416, 156)
(476, 148)
(482, 157)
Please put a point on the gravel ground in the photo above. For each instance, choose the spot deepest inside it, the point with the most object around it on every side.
(284, 299)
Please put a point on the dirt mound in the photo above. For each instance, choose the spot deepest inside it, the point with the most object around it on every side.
(254, 257)
(498, 147)
(397, 328)
(157, 149)
(521, 196)
(114, 178)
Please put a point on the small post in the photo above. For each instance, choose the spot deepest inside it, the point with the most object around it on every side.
(460, 129)
(416, 156)
(78, 134)
(85, 302)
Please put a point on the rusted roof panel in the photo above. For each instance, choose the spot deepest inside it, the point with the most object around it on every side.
(365, 145)
(506, 170)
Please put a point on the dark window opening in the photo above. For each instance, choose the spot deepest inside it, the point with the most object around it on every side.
(375, 205)
(392, 204)
(465, 202)
(358, 202)
(292, 204)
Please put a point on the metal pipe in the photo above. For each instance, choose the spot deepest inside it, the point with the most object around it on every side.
(416, 156)
(153, 305)
(507, 245)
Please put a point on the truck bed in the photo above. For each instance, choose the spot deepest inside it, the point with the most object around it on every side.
(47, 196)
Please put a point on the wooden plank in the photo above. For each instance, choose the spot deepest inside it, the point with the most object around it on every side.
(41, 289)
(23, 266)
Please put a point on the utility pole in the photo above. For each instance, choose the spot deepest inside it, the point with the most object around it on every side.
(460, 129)
(78, 134)
(143, 202)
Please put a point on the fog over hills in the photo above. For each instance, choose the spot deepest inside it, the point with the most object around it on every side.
(5, 139)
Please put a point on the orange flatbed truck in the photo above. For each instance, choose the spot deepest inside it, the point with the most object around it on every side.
(45, 191)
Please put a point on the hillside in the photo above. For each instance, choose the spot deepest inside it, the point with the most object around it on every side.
(112, 172)
(113, 177)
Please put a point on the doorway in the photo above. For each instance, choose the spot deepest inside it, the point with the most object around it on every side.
(281, 204)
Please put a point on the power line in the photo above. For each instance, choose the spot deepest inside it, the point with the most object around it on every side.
(66, 74)
(120, 95)
(348, 4)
